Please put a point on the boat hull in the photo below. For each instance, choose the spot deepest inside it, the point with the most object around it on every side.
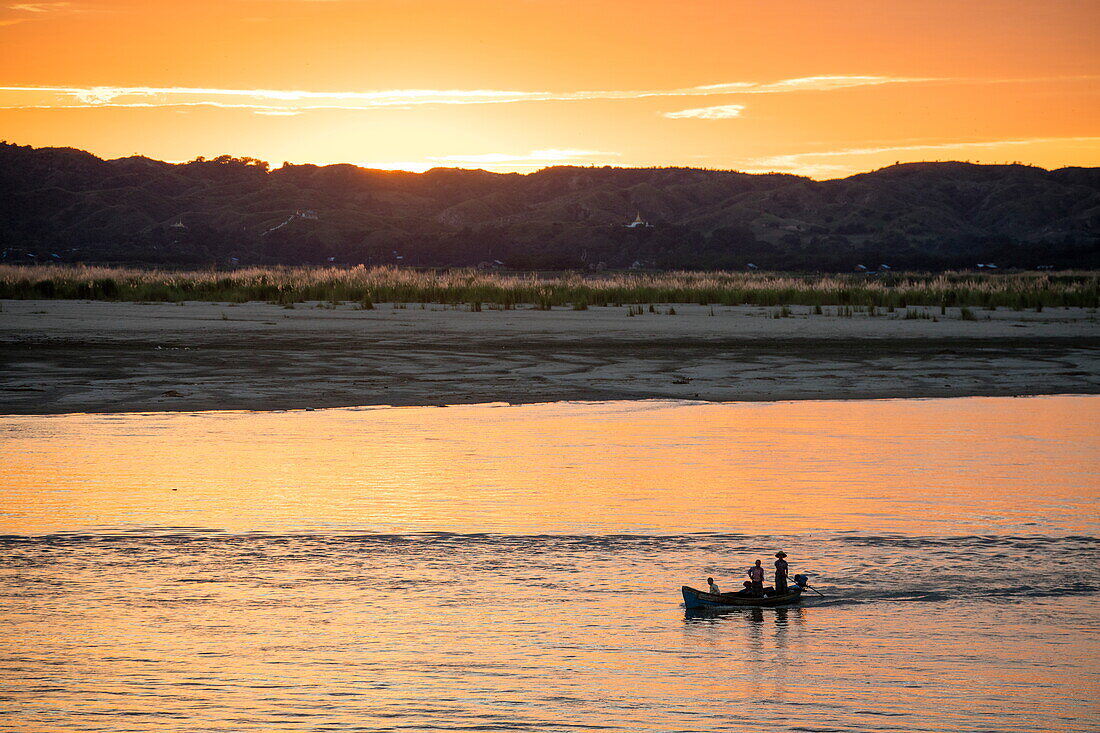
(696, 599)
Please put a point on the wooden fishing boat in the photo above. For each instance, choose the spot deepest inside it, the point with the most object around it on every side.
(697, 599)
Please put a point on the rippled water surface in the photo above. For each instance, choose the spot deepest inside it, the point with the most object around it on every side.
(510, 568)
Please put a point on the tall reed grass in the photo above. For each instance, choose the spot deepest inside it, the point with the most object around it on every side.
(366, 286)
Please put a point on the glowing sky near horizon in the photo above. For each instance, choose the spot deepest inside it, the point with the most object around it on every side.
(821, 89)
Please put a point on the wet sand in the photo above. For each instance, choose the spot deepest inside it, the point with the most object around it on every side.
(79, 356)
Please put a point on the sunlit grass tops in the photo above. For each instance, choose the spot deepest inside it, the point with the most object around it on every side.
(389, 284)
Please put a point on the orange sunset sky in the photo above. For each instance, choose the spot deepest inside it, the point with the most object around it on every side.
(818, 88)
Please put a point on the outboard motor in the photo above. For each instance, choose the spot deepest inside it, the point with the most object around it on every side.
(801, 580)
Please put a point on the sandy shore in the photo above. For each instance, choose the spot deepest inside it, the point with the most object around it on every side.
(76, 356)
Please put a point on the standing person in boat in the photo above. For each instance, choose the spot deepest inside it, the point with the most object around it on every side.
(780, 573)
(756, 575)
(713, 587)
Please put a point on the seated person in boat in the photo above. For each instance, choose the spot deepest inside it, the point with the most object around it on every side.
(781, 573)
(713, 587)
(748, 592)
(756, 575)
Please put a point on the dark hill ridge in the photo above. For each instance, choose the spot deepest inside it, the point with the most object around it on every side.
(65, 204)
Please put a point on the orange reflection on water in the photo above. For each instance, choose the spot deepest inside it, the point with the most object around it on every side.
(926, 467)
(317, 622)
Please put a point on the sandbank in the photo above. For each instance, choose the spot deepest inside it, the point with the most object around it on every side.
(94, 356)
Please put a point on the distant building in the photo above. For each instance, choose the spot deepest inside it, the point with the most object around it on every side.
(639, 222)
(178, 225)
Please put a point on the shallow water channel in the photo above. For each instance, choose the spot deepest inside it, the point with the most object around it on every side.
(495, 567)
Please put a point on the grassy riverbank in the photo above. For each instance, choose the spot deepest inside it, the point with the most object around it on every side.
(285, 285)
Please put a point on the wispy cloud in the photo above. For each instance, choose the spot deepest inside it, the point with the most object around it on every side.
(804, 84)
(801, 84)
(720, 112)
(822, 163)
(22, 12)
(265, 101)
(41, 7)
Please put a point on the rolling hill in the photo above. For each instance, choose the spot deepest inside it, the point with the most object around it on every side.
(67, 205)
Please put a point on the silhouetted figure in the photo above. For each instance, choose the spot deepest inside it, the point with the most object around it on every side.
(713, 588)
(756, 575)
(781, 573)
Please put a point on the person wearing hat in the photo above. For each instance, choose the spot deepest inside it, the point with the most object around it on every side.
(780, 572)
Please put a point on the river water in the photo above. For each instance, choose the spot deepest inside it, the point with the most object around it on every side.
(497, 567)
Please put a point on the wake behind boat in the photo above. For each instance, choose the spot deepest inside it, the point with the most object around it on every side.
(696, 599)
